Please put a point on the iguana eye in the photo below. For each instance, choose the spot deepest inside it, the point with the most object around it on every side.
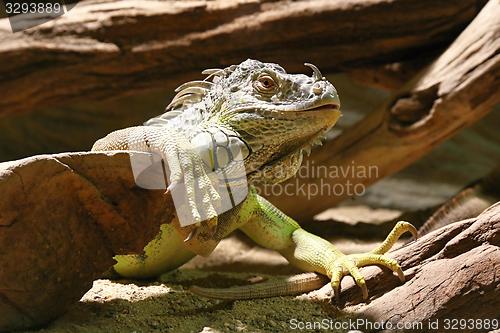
(265, 84)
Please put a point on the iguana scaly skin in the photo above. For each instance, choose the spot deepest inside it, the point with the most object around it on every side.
(271, 118)
(467, 203)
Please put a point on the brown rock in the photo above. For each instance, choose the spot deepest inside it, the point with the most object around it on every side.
(62, 219)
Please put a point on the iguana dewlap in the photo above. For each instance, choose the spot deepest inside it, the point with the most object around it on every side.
(256, 115)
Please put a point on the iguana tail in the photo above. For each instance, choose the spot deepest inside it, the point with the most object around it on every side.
(292, 285)
(467, 203)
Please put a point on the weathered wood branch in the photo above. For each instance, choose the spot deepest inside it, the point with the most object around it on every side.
(107, 49)
(391, 76)
(452, 272)
(457, 89)
(62, 219)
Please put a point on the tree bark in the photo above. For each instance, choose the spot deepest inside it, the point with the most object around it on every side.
(392, 76)
(456, 90)
(104, 49)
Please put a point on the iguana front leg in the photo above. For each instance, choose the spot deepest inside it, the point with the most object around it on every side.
(271, 228)
(184, 164)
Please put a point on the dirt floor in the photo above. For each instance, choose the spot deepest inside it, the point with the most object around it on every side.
(166, 305)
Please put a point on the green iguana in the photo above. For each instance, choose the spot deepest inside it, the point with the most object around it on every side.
(256, 114)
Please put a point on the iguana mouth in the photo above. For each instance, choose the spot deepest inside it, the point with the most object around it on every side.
(330, 103)
(325, 107)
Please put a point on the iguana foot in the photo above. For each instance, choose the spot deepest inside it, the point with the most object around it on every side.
(350, 264)
(193, 188)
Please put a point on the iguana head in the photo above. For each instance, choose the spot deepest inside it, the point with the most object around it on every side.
(274, 116)
(279, 115)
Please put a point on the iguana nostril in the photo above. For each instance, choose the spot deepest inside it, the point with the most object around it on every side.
(317, 90)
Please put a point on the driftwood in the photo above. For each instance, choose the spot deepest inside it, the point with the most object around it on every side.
(391, 76)
(111, 48)
(62, 219)
(451, 273)
(457, 89)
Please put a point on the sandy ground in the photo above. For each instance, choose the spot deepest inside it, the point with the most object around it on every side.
(166, 305)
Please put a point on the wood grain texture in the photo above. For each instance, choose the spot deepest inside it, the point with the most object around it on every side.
(103, 49)
(453, 92)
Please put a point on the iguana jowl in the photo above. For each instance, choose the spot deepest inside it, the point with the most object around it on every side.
(272, 118)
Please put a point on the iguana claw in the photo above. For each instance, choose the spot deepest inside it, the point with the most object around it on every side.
(197, 199)
(350, 264)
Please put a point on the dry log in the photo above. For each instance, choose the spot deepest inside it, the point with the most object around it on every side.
(62, 219)
(110, 48)
(452, 272)
(391, 76)
(457, 89)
